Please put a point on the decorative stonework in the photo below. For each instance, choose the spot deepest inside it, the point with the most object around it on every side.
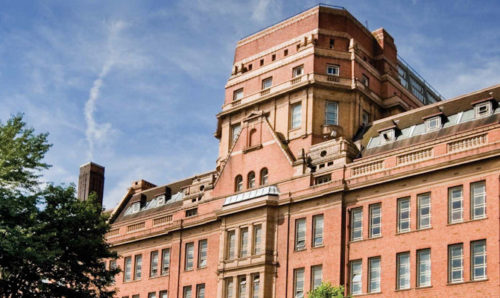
(136, 226)
(414, 156)
(162, 220)
(368, 168)
(114, 232)
(467, 143)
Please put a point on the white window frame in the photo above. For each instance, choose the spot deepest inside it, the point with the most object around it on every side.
(478, 251)
(359, 229)
(373, 217)
(137, 267)
(331, 118)
(189, 256)
(356, 287)
(165, 261)
(483, 105)
(333, 70)
(298, 285)
(424, 269)
(300, 234)
(316, 275)
(296, 115)
(318, 230)
(478, 200)
(202, 253)
(374, 275)
(238, 94)
(403, 275)
(401, 211)
(267, 83)
(457, 256)
(297, 71)
(433, 123)
(422, 218)
(153, 264)
(452, 199)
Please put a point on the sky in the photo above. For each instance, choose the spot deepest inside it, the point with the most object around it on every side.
(135, 85)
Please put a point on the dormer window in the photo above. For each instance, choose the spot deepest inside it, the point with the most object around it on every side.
(297, 71)
(433, 123)
(387, 135)
(483, 109)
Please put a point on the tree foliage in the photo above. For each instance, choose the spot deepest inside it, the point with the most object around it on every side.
(326, 290)
(51, 243)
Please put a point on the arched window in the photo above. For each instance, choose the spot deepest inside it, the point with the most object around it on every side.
(263, 176)
(251, 179)
(252, 140)
(238, 183)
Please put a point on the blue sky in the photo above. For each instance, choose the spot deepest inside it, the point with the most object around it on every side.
(135, 85)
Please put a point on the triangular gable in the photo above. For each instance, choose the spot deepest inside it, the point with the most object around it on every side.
(244, 156)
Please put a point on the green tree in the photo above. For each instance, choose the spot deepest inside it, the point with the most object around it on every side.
(51, 244)
(326, 290)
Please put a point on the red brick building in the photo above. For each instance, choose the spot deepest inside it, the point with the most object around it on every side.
(337, 163)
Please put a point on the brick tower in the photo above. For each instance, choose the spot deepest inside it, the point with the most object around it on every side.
(91, 180)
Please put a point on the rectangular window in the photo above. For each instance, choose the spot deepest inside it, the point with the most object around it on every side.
(317, 230)
(424, 211)
(478, 200)
(424, 268)
(242, 287)
(316, 276)
(231, 244)
(138, 267)
(298, 283)
(331, 113)
(164, 294)
(188, 263)
(356, 224)
(296, 115)
(191, 212)
(365, 80)
(356, 278)
(202, 253)
(152, 295)
(243, 242)
(267, 83)
(200, 291)
(374, 275)
(403, 270)
(257, 239)
(478, 260)
(255, 286)
(300, 234)
(332, 70)
(187, 292)
(235, 132)
(332, 43)
(154, 264)
(403, 215)
(127, 276)
(229, 287)
(455, 205)
(375, 221)
(238, 94)
(165, 261)
(297, 71)
(455, 263)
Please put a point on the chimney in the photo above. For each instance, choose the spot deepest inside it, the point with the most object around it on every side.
(91, 180)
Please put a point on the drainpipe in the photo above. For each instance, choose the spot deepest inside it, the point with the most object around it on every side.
(180, 259)
(287, 250)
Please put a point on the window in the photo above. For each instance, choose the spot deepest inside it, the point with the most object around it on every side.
(403, 215)
(231, 244)
(154, 264)
(235, 132)
(403, 270)
(249, 66)
(273, 57)
(388, 136)
(127, 276)
(267, 83)
(257, 239)
(300, 234)
(255, 286)
(375, 221)
(332, 43)
(138, 267)
(251, 180)
(478, 200)
(455, 205)
(202, 253)
(424, 268)
(332, 70)
(317, 230)
(374, 275)
(296, 115)
(229, 288)
(483, 109)
(242, 287)
(356, 224)
(261, 62)
(298, 283)
(200, 291)
(136, 296)
(238, 94)
(165, 261)
(356, 277)
(322, 179)
(424, 211)
(365, 118)
(297, 71)
(191, 212)
(243, 242)
(455, 263)
(331, 113)
(187, 292)
(238, 183)
(152, 295)
(285, 52)
(433, 123)
(188, 262)
(164, 294)
(316, 276)
(263, 176)
(365, 80)
(478, 260)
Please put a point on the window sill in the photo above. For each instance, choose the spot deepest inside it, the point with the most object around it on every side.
(188, 270)
(249, 149)
(294, 129)
(466, 221)
(203, 267)
(402, 290)
(367, 239)
(318, 246)
(466, 282)
(414, 231)
(372, 293)
(300, 249)
(423, 287)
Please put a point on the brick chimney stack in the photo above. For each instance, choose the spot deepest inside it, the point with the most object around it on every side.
(91, 180)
